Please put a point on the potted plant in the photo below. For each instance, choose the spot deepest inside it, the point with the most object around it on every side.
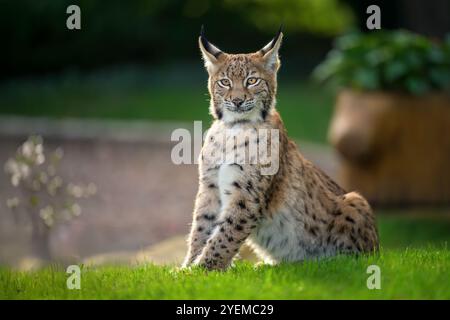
(391, 123)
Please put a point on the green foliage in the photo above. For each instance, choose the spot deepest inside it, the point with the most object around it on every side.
(151, 31)
(326, 17)
(388, 60)
(130, 94)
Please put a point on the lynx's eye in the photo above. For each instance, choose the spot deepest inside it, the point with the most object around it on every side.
(225, 82)
(252, 81)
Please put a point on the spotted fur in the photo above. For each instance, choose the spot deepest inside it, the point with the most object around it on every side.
(299, 212)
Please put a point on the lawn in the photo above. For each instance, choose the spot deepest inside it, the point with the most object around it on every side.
(133, 94)
(414, 263)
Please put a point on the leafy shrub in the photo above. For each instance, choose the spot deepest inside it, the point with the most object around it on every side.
(42, 194)
(388, 60)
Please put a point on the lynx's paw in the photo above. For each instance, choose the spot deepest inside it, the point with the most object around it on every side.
(209, 263)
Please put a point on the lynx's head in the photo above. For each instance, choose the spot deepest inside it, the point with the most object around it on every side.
(242, 86)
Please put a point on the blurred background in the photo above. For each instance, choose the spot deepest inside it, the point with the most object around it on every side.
(108, 96)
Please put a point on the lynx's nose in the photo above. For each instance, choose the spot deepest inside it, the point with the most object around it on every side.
(237, 102)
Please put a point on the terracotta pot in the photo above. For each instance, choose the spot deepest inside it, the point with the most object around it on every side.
(395, 148)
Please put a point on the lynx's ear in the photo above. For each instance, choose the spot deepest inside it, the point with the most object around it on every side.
(270, 52)
(210, 53)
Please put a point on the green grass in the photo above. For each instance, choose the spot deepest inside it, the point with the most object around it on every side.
(306, 110)
(414, 263)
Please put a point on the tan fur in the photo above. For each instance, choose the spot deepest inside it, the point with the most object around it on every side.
(295, 214)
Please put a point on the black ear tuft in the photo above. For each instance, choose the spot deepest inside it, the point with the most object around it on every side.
(274, 40)
(270, 51)
(207, 45)
(202, 31)
(279, 31)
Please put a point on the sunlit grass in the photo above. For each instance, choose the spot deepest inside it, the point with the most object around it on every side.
(414, 262)
(405, 274)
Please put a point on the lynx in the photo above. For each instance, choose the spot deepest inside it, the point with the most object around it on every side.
(294, 214)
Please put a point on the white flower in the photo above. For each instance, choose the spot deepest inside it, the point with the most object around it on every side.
(76, 209)
(54, 185)
(12, 203)
(74, 190)
(40, 159)
(39, 149)
(59, 153)
(91, 189)
(11, 166)
(43, 178)
(49, 222)
(47, 214)
(57, 181)
(24, 170)
(27, 149)
(15, 180)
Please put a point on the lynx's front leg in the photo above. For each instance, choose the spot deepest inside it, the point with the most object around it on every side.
(206, 212)
(242, 195)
